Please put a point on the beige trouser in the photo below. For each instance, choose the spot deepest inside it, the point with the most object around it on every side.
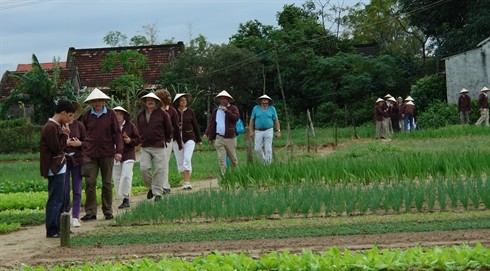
(154, 181)
(225, 146)
(483, 117)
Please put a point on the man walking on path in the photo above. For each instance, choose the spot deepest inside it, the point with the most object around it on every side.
(262, 122)
(104, 144)
(155, 130)
(221, 130)
(483, 106)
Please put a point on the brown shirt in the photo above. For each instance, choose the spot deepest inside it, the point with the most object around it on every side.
(77, 130)
(132, 132)
(157, 131)
(53, 143)
(483, 101)
(464, 103)
(232, 115)
(103, 133)
(190, 128)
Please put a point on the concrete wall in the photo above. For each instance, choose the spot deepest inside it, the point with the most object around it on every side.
(470, 70)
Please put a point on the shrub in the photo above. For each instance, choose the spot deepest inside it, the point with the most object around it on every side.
(438, 114)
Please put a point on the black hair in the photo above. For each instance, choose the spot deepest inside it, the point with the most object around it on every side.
(64, 105)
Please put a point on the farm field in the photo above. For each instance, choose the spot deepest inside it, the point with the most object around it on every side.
(456, 222)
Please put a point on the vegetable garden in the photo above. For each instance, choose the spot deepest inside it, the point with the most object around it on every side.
(344, 210)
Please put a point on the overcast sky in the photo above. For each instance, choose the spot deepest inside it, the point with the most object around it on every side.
(47, 28)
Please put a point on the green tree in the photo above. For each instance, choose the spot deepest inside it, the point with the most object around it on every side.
(40, 89)
(452, 26)
(127, 85)
(428, 90)
(115, 38)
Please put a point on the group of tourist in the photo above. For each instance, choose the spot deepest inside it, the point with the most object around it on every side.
(76, 144)
(393, 116)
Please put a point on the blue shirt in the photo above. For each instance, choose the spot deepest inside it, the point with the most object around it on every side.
(264, 119)
(104, 111)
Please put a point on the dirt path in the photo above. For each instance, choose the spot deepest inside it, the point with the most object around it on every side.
(29, 245)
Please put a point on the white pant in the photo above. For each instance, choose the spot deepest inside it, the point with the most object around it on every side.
(122, 175)
(184, 156)
(263, 145)
(168, 154)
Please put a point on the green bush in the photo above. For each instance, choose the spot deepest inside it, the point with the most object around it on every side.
(23, 138)
(437, 115)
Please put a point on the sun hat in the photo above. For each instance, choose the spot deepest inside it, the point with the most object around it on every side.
(391, 99)
(78, 109)
(97, 94)
(188, 96)
(387, 96)
(464, 91)
(410, 103)
(409, 99)
(151, 95)
(264, 97)
(223, 93)
(484, 89)
(120, 108)
(379, 100)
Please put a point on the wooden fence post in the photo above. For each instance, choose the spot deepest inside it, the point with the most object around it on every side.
(65, 230)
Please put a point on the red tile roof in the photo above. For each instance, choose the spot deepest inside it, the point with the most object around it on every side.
(88, 62)
(45, 66)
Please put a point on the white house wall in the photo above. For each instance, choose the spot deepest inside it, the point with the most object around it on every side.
(470, 70)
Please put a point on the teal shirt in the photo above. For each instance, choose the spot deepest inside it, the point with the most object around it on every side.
(264, 119)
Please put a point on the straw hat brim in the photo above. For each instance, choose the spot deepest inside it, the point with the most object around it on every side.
(258, 100)
(188, 96)
(223, 93)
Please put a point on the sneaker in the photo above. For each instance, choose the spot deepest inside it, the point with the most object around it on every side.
(57, 235)
(149, 195)
(187, 185)
(166, 191)
(158, 198)
(124, 204)
(108, 216)
(88, 217)
(75, 223)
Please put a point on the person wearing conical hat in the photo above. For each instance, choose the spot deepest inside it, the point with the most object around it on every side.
(221, 130)
(156, 130)
(387, 119)
(74, 161)
(122, 172)
(464, 106)
(379, 116)
(104, 144)
(483, 107)
(175, 143)
(261, 125)
(394, 113)
(190, 137)
(409, 114)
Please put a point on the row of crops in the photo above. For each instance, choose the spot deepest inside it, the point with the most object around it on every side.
(313, 200)
(417, 258)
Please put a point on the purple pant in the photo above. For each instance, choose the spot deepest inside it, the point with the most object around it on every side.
(76, 177)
